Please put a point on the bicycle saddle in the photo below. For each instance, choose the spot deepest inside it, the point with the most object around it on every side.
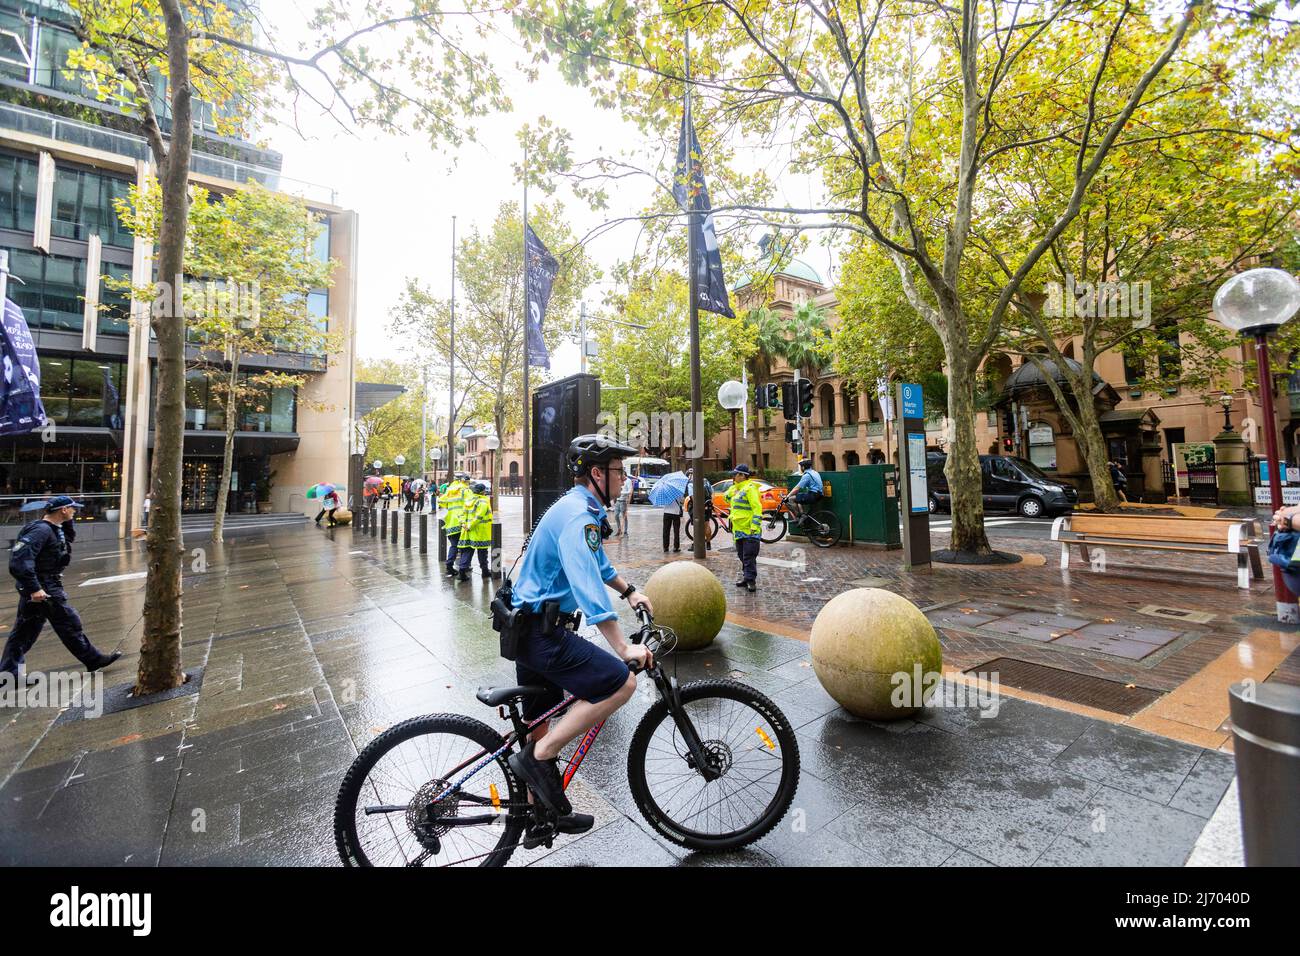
(495, 696)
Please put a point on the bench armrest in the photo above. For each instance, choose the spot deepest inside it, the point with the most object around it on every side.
(1060, 524)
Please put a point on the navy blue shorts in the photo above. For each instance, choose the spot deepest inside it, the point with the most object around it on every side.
(560, 660)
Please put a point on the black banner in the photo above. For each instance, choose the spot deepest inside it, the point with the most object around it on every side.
(21, 410)
(692, 194)
(542, 269)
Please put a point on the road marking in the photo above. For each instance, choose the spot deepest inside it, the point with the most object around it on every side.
(778, 563)
(116, 577)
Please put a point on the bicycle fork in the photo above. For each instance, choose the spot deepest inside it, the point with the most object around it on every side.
(697, 759)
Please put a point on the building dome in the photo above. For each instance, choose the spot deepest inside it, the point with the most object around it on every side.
(1028, 376)
(794, 269)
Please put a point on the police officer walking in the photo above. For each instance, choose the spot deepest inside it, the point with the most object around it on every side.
(565, 574)
(40, 554)
(453, 499)
(746, 524)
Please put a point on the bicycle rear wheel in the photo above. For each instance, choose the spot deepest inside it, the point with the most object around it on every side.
(748, 740)
(689, 526)
(823, 529)
(385, 814)
(772, 527)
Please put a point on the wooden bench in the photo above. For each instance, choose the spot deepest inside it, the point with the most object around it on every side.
(1237, 536)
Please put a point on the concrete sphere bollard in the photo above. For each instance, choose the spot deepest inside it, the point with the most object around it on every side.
(343, 516)
(861, 639)
(690, 600)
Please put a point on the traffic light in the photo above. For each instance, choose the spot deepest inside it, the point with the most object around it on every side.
(789, 400)
(760, 396)
(797, 447)
(1006, 445)
(805, 398)
(1009, 421)
(773, 396)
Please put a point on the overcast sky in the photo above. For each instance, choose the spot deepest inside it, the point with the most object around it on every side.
(405, 193)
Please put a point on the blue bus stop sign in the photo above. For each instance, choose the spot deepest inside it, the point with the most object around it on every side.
(913, 402)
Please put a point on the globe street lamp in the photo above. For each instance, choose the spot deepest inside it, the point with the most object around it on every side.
(731, 396)
(436, 455)
(1255, 303)
(1226, 401)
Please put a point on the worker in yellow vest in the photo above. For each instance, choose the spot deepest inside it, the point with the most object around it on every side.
(454, 501)
(746, 506)
(476, 532)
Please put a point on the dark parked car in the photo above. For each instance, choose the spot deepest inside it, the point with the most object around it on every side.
(1010, 484)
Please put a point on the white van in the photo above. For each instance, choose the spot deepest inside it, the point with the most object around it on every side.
(648, 470)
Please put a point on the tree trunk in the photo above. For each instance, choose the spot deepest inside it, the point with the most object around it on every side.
(965, 482)
(1092, 446)
(227, 454)
(160, 650)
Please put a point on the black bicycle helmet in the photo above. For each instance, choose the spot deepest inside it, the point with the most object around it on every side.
(480, 488)
(587, 451)
(805, 462)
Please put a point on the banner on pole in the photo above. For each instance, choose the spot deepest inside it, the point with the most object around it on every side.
(542, 269)
(21, 410)
(693, 195)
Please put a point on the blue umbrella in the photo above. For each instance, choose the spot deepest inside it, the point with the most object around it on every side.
(668, 490)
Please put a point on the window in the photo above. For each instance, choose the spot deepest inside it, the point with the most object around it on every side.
(83, 206)
(850, 408)
(82, 392)
(115, 311)
(1042, 445)
(53, 45)
(1171, 358)
(1134, 370)
(15, 54)
(17, 192)
(56, 379)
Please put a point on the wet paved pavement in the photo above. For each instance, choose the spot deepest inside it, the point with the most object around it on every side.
(308, 643)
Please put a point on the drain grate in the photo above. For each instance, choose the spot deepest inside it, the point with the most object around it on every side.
(1083, 689)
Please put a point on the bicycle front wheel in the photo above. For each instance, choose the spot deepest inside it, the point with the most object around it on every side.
(388, 811)
(772, 527)
(746, 739)
(823, 529)
(689, 525)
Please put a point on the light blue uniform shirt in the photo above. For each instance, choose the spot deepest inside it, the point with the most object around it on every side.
(566, 560)
(809, 481)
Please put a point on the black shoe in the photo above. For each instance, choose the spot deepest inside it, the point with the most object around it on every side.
(543, 776)
(750, 587)
(104, 661)
(740, 583)
(462, 576)
(451, 572)
(575, 823)
(486, 575)
(318, 522)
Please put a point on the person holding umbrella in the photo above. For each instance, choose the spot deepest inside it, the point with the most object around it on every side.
(328, 496)
(668, 493)
(40, 553)
(746, 524)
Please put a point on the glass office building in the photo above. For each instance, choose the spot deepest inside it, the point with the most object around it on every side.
(64, 159)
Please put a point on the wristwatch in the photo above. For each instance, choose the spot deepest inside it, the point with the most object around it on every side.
(628, 593)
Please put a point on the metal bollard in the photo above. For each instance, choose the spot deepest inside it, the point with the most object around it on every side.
(374, 524)
(442, 540)
(406, 529)
(424, 533)
(383, 523)
(394, 528)
(1266, 747)
(494, 556)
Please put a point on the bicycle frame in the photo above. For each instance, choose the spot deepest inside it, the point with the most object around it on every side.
(668, 689)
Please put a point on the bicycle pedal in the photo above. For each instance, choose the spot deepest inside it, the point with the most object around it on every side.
(536, 836)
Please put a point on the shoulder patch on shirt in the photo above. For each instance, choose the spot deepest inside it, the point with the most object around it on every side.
(18, 545)
(592, 535)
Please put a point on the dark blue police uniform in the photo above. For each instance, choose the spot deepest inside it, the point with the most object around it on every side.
(566, 563)
(39, 556)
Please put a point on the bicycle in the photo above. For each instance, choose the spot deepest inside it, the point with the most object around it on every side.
(713, 766)
(822, 528)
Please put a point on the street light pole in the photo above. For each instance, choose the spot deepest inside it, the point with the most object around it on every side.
(1255, 303)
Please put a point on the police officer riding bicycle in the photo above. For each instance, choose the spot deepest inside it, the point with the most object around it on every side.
(808, 491)
(566, 574)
